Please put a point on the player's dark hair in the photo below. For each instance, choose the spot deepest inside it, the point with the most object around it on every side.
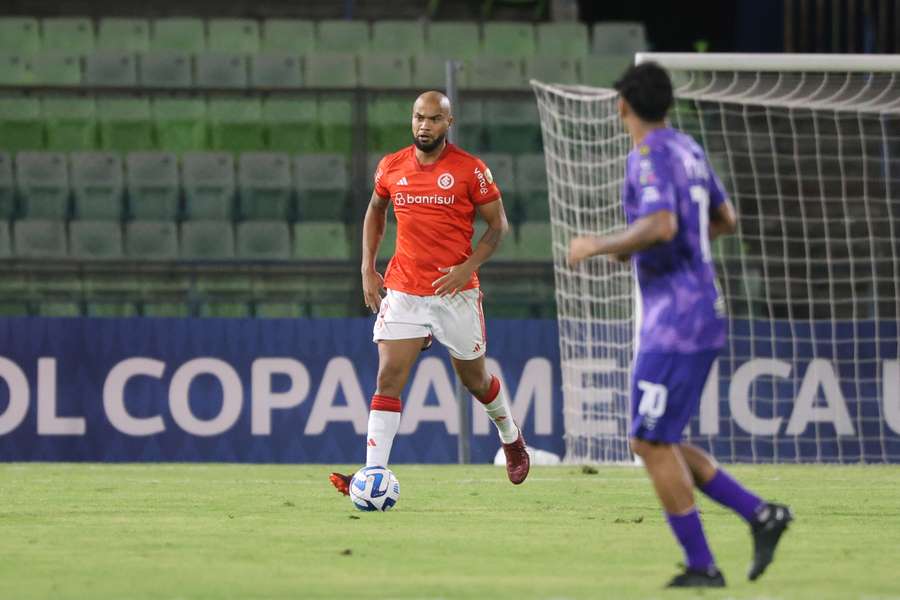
(647, 89)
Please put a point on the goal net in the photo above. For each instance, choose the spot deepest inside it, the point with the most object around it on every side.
(809, 150)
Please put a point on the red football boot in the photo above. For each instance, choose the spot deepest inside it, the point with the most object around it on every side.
(341, 482)
(517, 460)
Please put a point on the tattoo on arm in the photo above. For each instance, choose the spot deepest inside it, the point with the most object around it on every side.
(492, 237)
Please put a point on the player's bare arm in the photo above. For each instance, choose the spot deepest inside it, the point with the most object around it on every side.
(373, 232)
(722, 221)
(457, 276)
(656, 228)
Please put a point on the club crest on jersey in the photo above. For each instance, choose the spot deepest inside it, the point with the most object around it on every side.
(445, 181)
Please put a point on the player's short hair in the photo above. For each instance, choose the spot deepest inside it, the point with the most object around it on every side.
(647, 89)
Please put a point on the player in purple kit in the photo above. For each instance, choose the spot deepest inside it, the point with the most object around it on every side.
(674, 205)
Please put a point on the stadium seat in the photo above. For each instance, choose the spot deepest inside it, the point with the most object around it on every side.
(531, 176)
(179, 34)
(13, 309)
(20, 35)
(21, 125)
(151, 240)
(6, 249)
(7, 188)
(503, 170)
(235, 124)
(95, 240)
(274, 310)
(535, 242)
(110, 309)
(125, 124)
(240, 36)
(123, 35)
(508, 40)
(42, 182)
(208, 181)
(207, 240)
(603, 71)
(331, 70)
(39, 238)
(153, 186)
(404, 38)
(264, 182)
(165, 309)
(224, 310)
(552, 70)
(56, 68)
(341, 36)
(618, 38)
(15, 69)
(221, 70)
(58, 309)
(288, 36)
(469, 124)
(385, 71)
(110, 68)
(180, 123)
(389, 242)
(562, 40)
(292, 123)
(97, 184)
(321, 240)
(335, 120)
(512, 126)
(68, 34)
(264, 240)
(275, 70)
(454, 40)
(390, 123)
(71, 122)
(165, 69)
(430, 72)
(322, 183)
(490, 72)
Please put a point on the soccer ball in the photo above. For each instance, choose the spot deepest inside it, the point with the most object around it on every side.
(374, 488)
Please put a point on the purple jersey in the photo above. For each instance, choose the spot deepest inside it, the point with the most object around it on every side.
(680, 309)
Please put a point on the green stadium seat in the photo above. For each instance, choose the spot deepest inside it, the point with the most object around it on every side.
(454, 40)
(98, 185)
(110, 68)
(603, 71)
(535, 241)
(165, 310)
(151, 240)
(562, 40)
(21, 125)
(264, 182)
(42, 183)
(123, 35)
(335, 121)
(71, 122)
(7, 188)
(207, 240)
(385, 71)
(153, 185)
(125, 124)
(406, 38)
(95, 240)
(110, 309)
(225, 310)
(56, 68)
(331, 70)
(292, 124)
(274, 310)
(6, 249)
(388, 242)
(531, 176)
(165, 69)
(341, 36)
(13, 309)
(618, 38)
(503, 169)
(233, 35)
(430, 72)
(321, 240)
(508, 40)
(263, 240)
(180, 123)
(179, 34)
(390, 124)
(322, 182)
(68, 34)
(15, 69)
(58, 309)
(512, 126)
(469, 124)
(496, 73)
(39, 238)
(552, 70)
(288, 36)
(221, 70)
(275, 70)
(235, 124)
(20, 35)
(208, 182)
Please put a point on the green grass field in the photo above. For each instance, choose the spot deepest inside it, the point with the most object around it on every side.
(239, 531)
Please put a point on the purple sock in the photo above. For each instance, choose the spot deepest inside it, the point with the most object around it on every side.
(726, 491)
(689, 531)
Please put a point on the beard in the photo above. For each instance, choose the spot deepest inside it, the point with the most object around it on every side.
(429, 147)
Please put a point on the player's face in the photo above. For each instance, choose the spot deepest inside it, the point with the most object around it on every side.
(430, 123)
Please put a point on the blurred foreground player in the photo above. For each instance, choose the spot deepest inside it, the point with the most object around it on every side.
(432, 282)
(674, 205)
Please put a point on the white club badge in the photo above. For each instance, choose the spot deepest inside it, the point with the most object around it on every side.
(445, 181)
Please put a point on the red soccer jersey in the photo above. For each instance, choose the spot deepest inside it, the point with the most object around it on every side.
(435, 209)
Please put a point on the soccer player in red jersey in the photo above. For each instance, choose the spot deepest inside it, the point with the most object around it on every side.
(432, 282)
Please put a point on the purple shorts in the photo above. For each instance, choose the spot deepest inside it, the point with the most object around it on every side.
(665, 393)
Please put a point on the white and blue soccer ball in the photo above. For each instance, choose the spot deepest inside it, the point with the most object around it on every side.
(374, 488)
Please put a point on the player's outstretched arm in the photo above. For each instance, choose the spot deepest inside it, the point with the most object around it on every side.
(658, 227)
(373, 232)
(723, 220)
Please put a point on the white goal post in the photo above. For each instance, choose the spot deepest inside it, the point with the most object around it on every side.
(808, 147)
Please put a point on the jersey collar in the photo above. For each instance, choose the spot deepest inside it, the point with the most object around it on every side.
(432, 166)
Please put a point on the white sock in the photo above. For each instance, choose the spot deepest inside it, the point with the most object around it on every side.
(497, 409)
(384, 421)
